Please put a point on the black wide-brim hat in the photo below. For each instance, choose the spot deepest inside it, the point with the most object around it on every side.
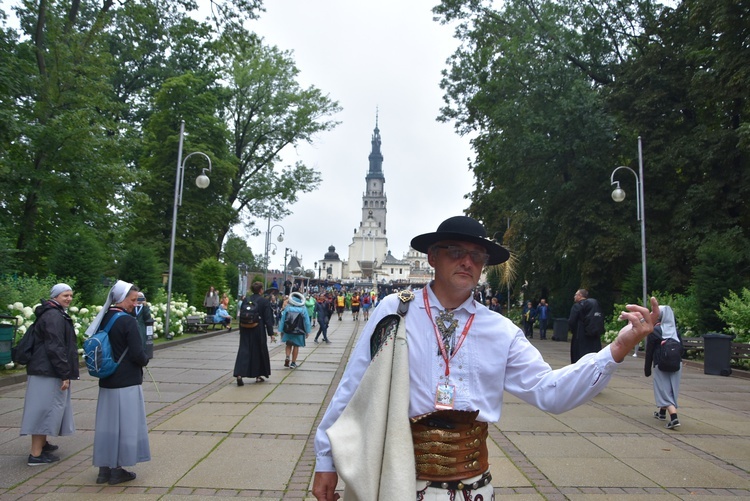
(462, 229)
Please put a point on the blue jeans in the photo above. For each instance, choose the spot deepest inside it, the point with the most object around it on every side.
(542, 328)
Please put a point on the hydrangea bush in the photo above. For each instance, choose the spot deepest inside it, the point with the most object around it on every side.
(83, 317)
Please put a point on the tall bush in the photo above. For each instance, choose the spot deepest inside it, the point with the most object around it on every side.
(80, 254)
(209, 272)
(140, 266)
(735, 311)
(722, 266)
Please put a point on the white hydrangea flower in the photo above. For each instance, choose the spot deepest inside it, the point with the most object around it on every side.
(10, 365)
(83, 311)
(27, 311)
(17, 306)
(73, 309)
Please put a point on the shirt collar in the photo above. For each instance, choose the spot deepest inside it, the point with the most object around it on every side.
(470, 306)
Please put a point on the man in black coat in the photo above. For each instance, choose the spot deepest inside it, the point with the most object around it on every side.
(252, 357)
(582, 344)
(322, 309)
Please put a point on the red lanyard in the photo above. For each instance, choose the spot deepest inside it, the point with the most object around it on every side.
(439, 338)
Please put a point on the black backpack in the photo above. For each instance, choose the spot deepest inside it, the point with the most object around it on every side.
(23, 350)
(593, 318)
(294, 323)
(249, 314)
(669, 355)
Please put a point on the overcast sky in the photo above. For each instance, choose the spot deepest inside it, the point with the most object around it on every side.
(366, 54)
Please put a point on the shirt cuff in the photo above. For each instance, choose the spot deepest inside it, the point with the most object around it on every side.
(324, 463)
(604, 361)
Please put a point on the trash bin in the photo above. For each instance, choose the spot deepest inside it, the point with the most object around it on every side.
(149, 343)
(560, 330)
(7, 329)
(717, 354)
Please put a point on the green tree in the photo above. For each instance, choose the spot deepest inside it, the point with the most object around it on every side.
(267, 111)
(237, 252)
(141, 267)
(556, 93)
(203, 211)
(79, 253)
(183, 282)
(77, 83)
(681, 92)
(723, 264)
(544, 144)
(62, 163)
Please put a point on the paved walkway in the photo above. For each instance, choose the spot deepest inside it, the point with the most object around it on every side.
(210, 438)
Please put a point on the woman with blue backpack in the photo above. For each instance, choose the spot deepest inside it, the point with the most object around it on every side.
(295, 327)
(120, 430)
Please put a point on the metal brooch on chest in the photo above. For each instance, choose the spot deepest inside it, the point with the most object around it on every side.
(446, 326)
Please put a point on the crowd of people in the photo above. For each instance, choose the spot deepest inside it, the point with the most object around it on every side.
(431, 378)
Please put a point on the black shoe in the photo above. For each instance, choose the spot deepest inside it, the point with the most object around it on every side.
(240, 382)
(43, 458)
(48, 447)
(118, 476)
(104, 474)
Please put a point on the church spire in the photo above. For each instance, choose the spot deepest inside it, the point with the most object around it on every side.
(376, 157)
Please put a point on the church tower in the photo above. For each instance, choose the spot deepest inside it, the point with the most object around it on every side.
(369, 245)
(374, 199)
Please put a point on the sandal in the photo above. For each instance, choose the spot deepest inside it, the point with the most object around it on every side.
(259, 379)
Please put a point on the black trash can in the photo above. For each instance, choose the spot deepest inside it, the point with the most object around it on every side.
(560, 330)
(717, 354)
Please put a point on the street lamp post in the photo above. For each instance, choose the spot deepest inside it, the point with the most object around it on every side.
(618, 195)
(202, 181)
(280, 238)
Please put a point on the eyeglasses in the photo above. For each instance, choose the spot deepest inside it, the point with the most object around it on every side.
(141, 299)
(456, 253)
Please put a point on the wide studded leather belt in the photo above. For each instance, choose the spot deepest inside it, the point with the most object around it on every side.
(449, 445)
(460, 485)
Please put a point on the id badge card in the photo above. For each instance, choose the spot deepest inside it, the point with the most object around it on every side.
(445, 396)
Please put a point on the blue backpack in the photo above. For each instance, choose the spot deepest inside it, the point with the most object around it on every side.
(97, 351)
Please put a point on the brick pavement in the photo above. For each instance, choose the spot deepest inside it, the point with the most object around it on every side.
(212, 439)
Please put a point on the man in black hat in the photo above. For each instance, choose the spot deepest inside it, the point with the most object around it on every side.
(461, 357)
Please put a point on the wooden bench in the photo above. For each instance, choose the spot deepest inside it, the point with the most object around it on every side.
(195, 324)
(694, 346)
(212, 324)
